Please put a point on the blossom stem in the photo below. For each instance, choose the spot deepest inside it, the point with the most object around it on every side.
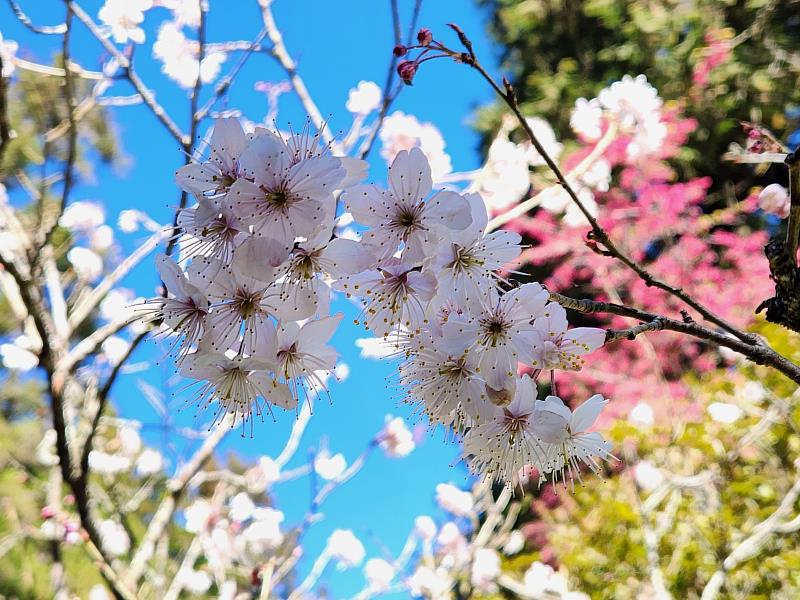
(760, 353)
(598, 234)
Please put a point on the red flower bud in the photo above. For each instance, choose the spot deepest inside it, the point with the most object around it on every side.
(407, 69)
(400, 50)
(424, 37)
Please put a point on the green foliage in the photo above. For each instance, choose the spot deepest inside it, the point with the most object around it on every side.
(742, 471)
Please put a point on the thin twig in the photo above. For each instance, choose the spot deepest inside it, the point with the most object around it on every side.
(125, 64)
(390, 91)
(42, 29)
(280, 54)
(72, 138)
(166, 509)
(86, 305)
(599, 235)
(226, 82)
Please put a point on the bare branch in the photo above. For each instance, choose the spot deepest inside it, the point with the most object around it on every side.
(598, 234)
(226, 82)
(147, 95)
(43, 29)
(760, 354)
(280, 54)
(166, 509)
(72, 141)
(86, 305)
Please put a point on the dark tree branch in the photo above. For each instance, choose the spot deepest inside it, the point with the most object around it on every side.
(598, 235)
(757, 353)
(784, 307)
(5, 128)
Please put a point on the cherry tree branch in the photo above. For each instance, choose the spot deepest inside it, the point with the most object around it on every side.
(760, 354)
(130, 74)
(72, 140)
(5, 128)
(176, 487)
(598, 234)
(283, 57)
(390, 90)
(59, 29)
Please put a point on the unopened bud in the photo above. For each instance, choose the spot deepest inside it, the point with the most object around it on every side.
(48, 512)
(424, 37)
(407, 69)
(400, 50)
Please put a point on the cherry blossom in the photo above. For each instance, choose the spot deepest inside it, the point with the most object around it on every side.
(402, 213)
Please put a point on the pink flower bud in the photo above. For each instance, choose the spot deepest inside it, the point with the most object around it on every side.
(48, 512)
(424, 37)
(400, 50)
(774, 199)
(407, 69)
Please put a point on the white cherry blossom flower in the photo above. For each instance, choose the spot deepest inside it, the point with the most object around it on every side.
(395, 438)
(346, 548)
(241, 507)
(396, 295)
(87, 264)
(108, 464)
(404, 132)
(503, 445)
(364, 98)
(184, 311)
(242, 305)
(303, 353)
(467, 261)
(18, 358)
(774, 199)
(124, 18)
(402, 214)
(282, 198)
(434, 583)
(586, 119)
(379, 574)
(424, 527)
(263, 534)
(179, 57)
(724, 412)
(149, 462)
(219, 173)
(485, 570)
(560, 348)
(115, 538)
(82, 216)
(445, 383)
(240, 386)
(454, 500)
(329, 466)
(563, 436)
(499, 331)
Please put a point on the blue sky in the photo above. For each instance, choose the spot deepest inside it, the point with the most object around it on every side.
(336, 44)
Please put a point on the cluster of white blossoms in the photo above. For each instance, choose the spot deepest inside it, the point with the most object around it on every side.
(634, 105)
(249, 302)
